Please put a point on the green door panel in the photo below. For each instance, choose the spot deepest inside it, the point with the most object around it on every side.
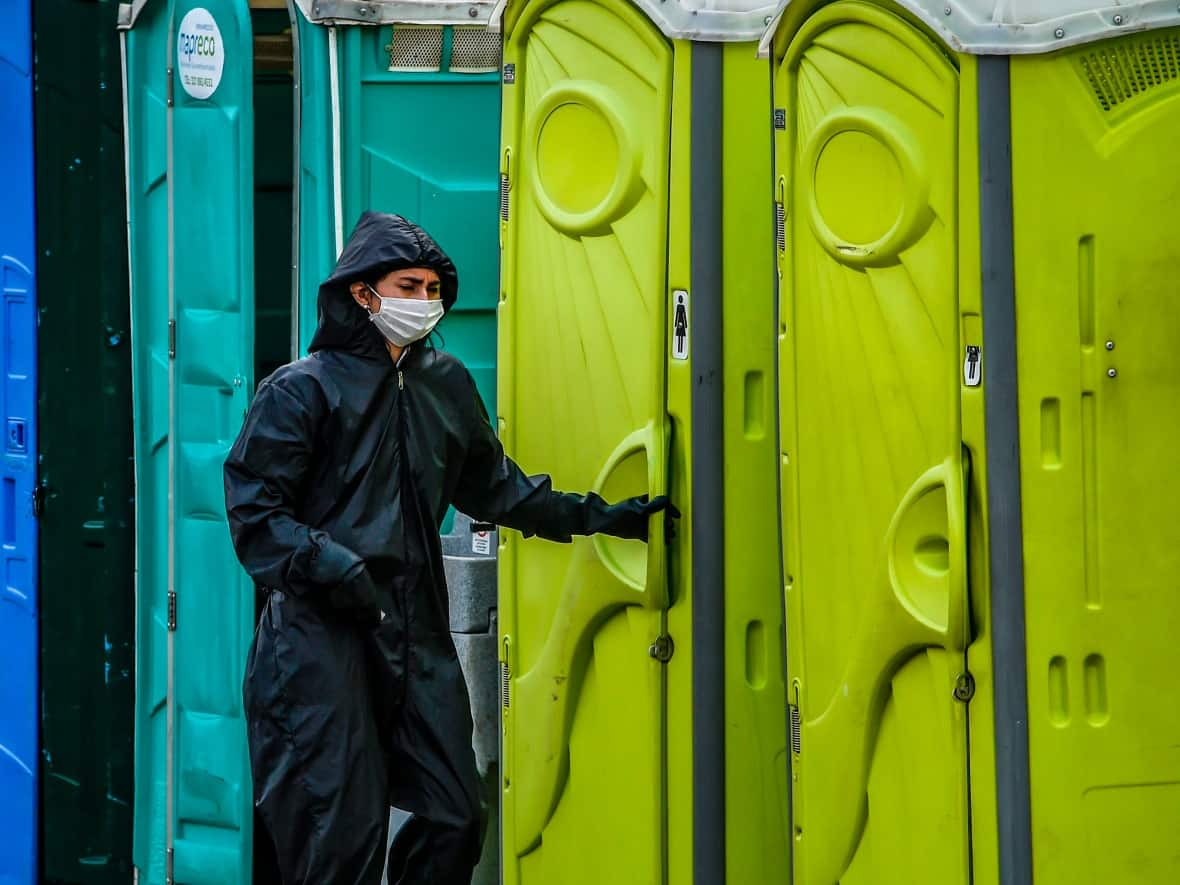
(757, 836)
(146, 86)
(1097, 320)
(86, 525)
(188, 411)
(214, 309)
(585, 160)
(873, 470)
(316, 252)
(424, 145)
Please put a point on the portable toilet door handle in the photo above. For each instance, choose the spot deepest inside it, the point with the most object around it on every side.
(652, 441)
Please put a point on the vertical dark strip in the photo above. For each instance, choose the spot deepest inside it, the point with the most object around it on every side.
(1006, 555)
(708, 464)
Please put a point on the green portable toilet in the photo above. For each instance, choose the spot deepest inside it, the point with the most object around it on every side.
(84, 454)
(188, 88)
(643, 701)
(976, 308)
(256, 133)
(399, 111)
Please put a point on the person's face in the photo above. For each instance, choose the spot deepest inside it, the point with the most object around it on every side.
(419, 283)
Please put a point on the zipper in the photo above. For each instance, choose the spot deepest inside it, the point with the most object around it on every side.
(401, 381)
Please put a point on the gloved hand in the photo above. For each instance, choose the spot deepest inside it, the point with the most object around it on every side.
(360, 598)
(630, 518)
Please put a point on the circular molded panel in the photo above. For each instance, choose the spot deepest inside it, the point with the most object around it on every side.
(586, 173)
(869, 196)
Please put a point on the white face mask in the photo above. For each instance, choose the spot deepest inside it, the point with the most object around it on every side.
(406, 320)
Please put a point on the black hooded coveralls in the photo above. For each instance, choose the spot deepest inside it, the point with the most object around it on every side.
(335, 492)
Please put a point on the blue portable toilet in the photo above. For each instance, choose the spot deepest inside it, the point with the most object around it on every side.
(18, 469)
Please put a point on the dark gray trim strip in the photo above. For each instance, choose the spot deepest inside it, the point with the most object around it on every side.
(708, 465)
(1006, 554)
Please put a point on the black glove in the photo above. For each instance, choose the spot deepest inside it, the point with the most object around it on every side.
(629, 519)
(361, 599)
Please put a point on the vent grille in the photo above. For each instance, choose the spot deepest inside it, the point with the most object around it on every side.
(1124, 69)
(475, 51)
(503, 197)
(505, 684)
(780, 226)
(416, 48)
(796, 728)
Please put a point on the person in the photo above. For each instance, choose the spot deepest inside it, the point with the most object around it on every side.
(335, 492)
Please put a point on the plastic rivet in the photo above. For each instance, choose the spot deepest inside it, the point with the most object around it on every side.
(1112, 373)
(1059, 33)
(1118, 19)
(472, 12)
(946, 10)
(1110, 345)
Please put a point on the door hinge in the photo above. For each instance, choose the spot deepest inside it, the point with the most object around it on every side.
(169, 861)
(964, 687)
(504, 197)
(172, 339)
(796, 729)
(171, 87)
(662, 648)
(171, 609)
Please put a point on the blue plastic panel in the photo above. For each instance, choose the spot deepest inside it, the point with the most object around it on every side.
(18, 467)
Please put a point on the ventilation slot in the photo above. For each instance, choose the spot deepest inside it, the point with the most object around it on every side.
(505, 685)
(1124, 69)
(475, 51)
(503, 197)
(780, 226)
(796, 727)
(416, 48)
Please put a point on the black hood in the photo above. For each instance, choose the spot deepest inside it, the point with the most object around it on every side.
(379, 243)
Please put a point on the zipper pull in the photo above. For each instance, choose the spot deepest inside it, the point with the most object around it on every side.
(401, 384)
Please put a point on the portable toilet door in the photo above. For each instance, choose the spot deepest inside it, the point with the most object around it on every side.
(19, 764)
(400, 112)
(982, 628)
(643, 697)
(189, 134)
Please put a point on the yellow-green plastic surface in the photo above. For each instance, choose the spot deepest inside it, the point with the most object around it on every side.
(1096, 184)
(582, 396)
(757, 840)
(873, 465)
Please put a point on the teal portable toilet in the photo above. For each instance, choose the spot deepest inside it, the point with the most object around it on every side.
(256, 133)
(189, 90)
(399, 111)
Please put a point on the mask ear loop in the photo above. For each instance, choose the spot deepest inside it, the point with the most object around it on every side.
(369, 313)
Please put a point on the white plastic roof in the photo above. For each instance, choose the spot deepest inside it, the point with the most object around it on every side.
(710, 20)
(1014, 27)
(378, 12)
